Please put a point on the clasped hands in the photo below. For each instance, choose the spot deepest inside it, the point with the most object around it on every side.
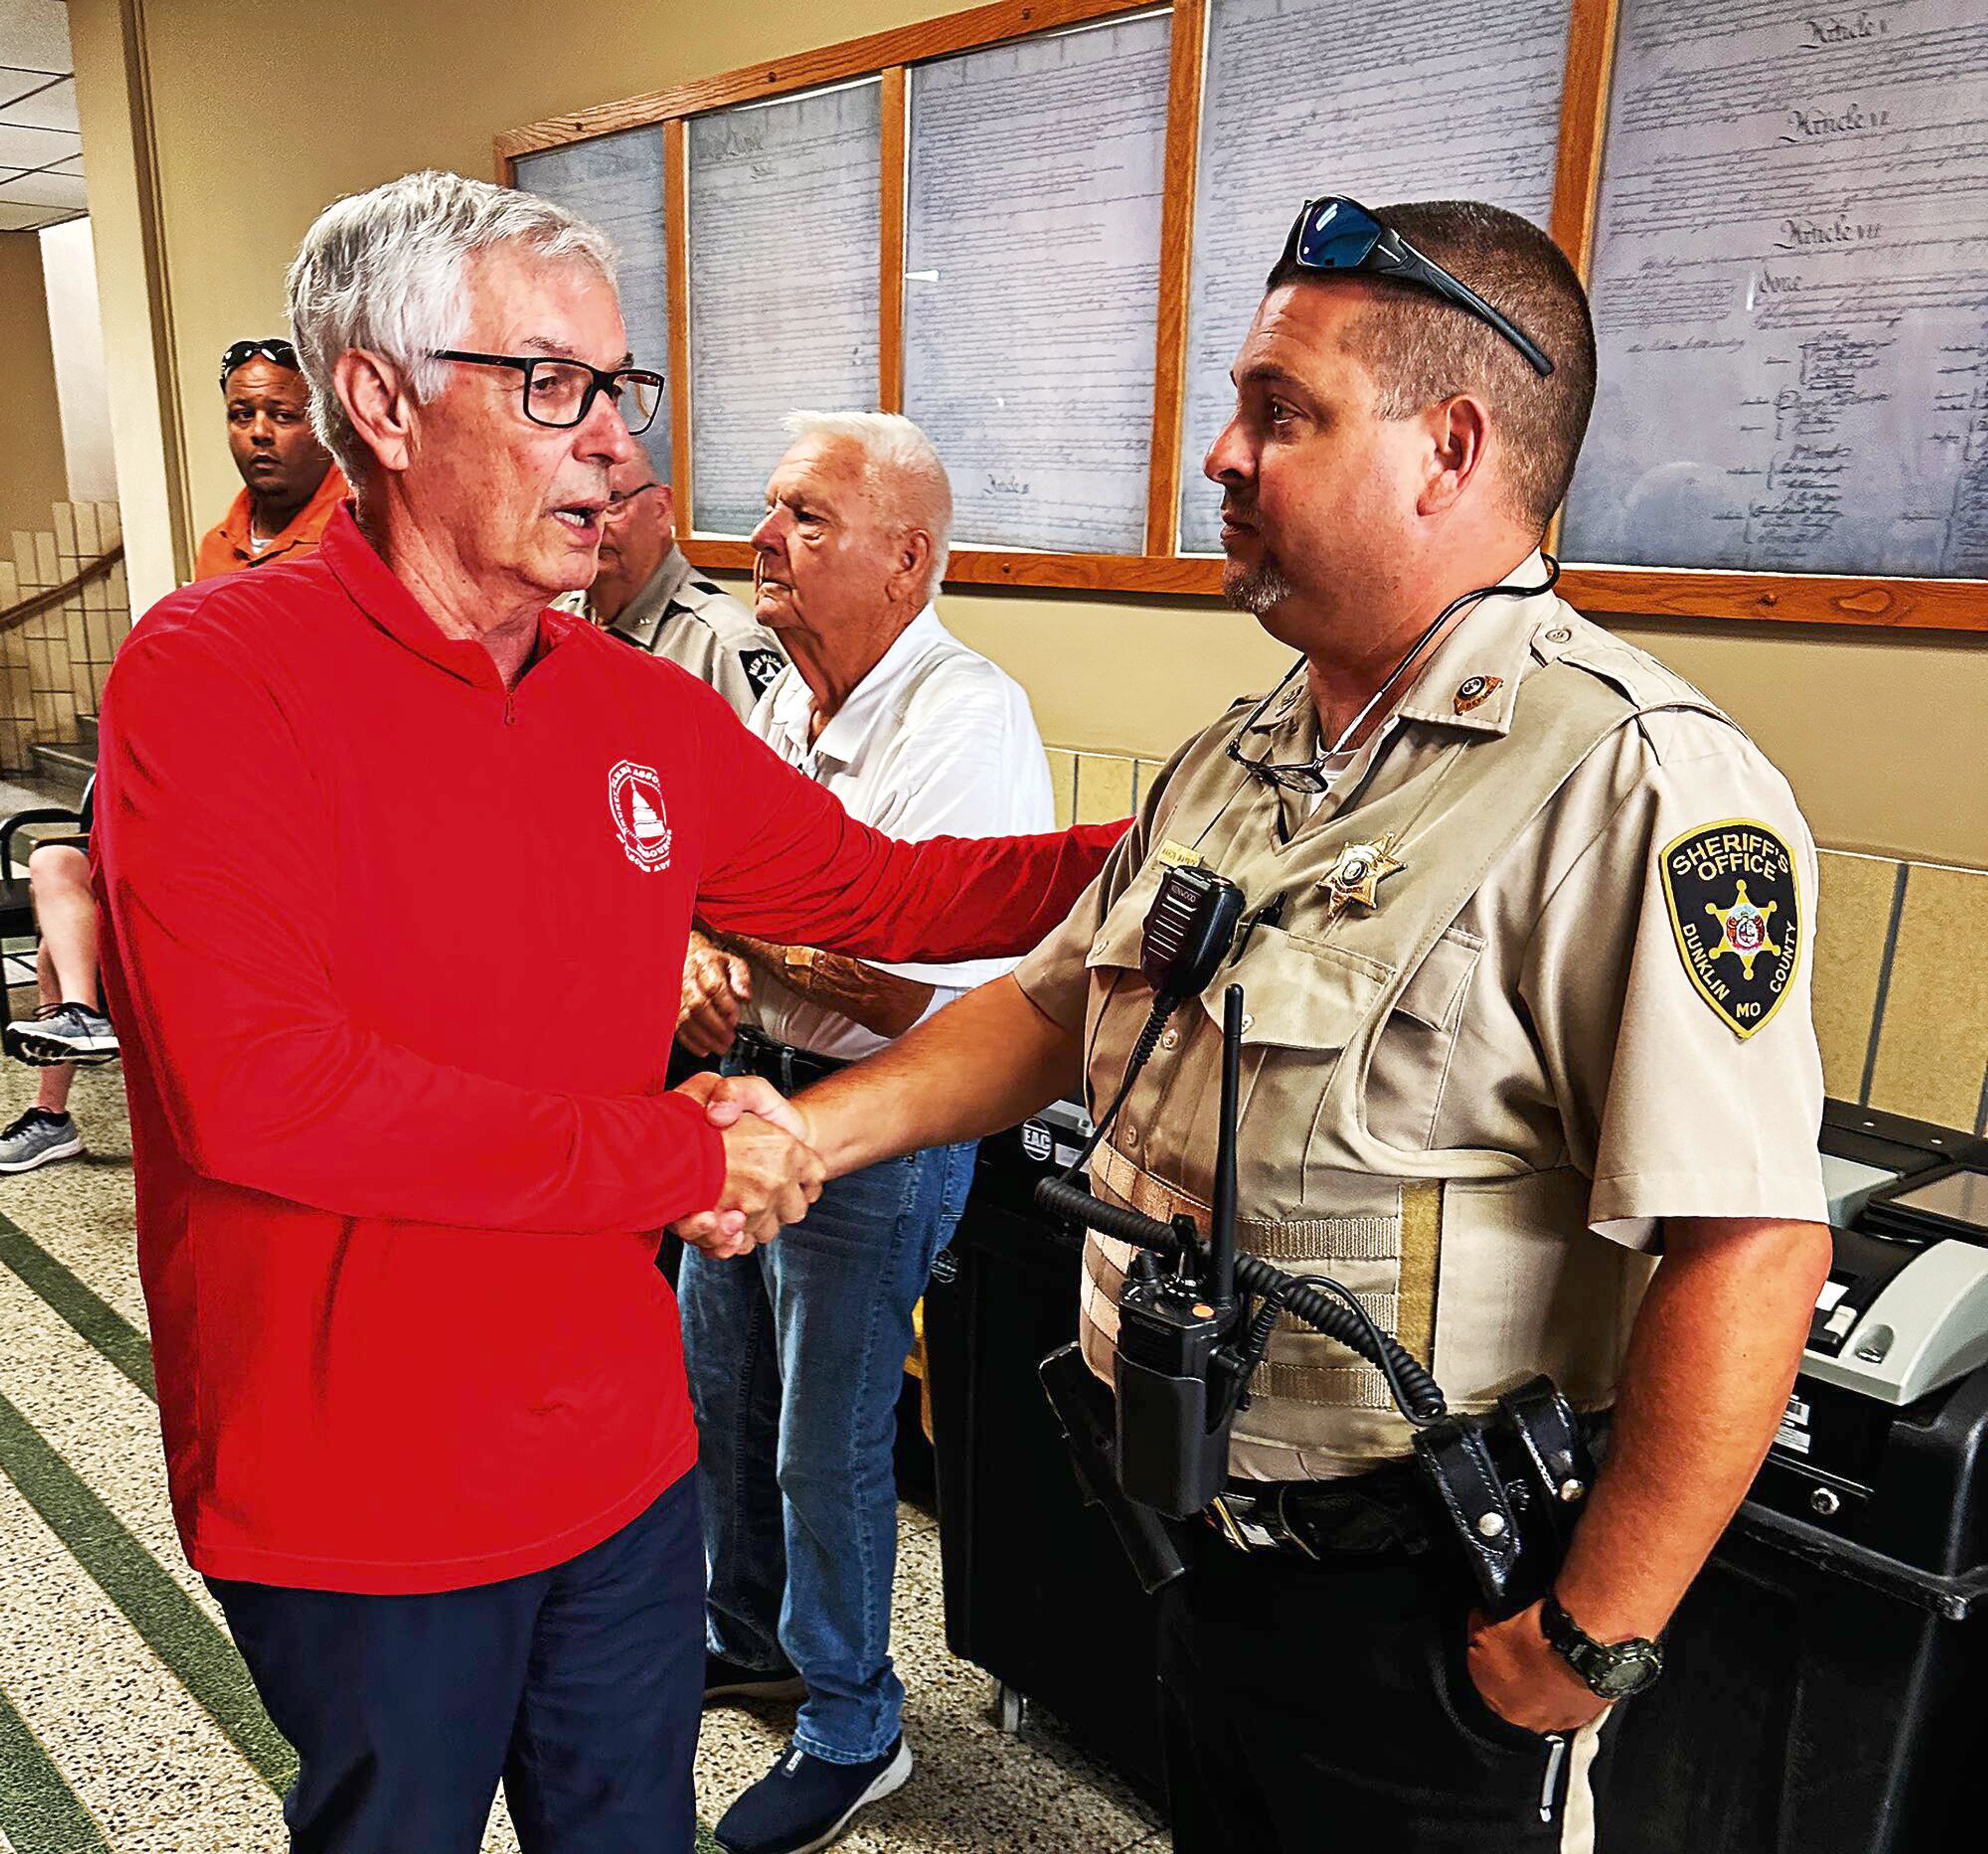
(772, 1172)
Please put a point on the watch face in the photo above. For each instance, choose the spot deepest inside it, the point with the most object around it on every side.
(1630, 1675)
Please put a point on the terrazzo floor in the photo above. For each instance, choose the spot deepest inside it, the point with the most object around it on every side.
(127, 1725)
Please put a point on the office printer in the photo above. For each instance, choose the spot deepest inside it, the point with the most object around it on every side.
(1828, 1667)
(1882, 1438)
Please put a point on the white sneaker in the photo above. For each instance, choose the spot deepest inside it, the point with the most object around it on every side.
(62, 1032)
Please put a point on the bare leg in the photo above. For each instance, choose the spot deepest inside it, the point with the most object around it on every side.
(53, 1092)
(59, 878)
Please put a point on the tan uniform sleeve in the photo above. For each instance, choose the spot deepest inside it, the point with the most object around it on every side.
(687, 640)
(1640, 1007)
(1055, 976)
(719, 645)
(728, 676)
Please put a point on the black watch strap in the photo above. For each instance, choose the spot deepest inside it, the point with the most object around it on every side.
(1611, 1670)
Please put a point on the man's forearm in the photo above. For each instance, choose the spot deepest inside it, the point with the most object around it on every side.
(1711, 1361)
(880, 1001)
(985, 1062)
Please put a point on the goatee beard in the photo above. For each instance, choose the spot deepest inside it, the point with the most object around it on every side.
(1256, 590)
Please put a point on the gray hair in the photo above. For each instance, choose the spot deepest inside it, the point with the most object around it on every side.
(901, 465)
(387, 271)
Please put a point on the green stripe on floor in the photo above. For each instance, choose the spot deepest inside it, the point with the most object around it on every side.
(175, 1628)
(39, 1811)
(32, 1793)
(95, 1318)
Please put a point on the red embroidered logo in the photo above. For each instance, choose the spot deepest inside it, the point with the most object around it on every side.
(635, 798)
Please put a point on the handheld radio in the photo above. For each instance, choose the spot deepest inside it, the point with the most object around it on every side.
(1178, 1372)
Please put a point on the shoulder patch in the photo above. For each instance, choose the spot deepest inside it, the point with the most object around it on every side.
(761, 667)
(1735, 906)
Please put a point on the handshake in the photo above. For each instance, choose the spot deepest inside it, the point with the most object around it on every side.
(772, 1170)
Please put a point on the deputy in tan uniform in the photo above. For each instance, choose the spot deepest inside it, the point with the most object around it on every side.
(646, 592)
(1528, 1064)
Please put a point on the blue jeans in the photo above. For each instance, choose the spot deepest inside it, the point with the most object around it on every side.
(796, 1355)
(578, 1688)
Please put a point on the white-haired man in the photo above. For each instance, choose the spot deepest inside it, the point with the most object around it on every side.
(796, 1353)
(426, 1425)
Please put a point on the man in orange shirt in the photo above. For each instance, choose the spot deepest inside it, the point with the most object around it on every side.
(292, 487)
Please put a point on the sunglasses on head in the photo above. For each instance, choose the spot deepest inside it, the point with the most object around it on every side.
(1336, 234)
(280, 351)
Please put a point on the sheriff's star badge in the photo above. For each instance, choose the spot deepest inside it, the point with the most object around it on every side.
(1357, 872)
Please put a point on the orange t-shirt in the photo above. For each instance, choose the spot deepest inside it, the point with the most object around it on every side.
(225, 547)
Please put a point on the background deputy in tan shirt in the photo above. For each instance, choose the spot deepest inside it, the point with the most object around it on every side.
(648, 594)
(1528, 1004)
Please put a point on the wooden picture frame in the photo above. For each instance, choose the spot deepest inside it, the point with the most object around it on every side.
(1692, 593)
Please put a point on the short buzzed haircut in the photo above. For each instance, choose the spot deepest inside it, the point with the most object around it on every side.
(1422, 349)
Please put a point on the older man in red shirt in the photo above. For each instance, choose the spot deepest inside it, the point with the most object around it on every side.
(401, 1136)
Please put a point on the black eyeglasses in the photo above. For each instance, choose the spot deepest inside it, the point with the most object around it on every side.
(1306, 775)
(619, 506)
(274, 349)
(560, 393)
(1336, 234)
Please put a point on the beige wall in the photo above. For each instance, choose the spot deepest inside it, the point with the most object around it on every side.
(31, 479)
(76, 333)
(1881, 736)
(114, 99)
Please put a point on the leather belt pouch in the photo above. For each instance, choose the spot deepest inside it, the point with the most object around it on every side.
(1511, 1484)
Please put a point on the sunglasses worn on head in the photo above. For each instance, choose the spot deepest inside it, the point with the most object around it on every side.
(275, 349)
(1336, 234)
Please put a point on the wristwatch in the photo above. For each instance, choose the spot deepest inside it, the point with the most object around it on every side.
(1613, 1669)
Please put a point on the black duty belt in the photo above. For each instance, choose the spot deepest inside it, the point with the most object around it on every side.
(787, 1067)
(1379, 1513)
(1388, 1510)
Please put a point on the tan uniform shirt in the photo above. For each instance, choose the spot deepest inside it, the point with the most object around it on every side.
(692, 621)
(1479, 1126)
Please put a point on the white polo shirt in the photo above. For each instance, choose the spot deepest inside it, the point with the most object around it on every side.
(935, 742)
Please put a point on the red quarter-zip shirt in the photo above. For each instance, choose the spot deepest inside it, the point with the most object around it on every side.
(395, 957)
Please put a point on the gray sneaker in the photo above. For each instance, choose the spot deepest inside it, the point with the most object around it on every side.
(62, 1032)
(39, 1138)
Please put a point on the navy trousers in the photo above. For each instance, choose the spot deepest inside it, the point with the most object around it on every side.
(579, 1688)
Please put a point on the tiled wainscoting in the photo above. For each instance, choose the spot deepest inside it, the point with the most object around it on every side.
(52, 667)
(1901, 987)
(1901, 961)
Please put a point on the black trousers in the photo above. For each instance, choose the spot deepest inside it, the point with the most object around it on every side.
(579, 1688)
(1310, 1706)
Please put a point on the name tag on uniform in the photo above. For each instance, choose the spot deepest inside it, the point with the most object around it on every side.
(1178, 856)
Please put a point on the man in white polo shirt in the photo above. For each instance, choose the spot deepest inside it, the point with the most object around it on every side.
(795, 1352)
